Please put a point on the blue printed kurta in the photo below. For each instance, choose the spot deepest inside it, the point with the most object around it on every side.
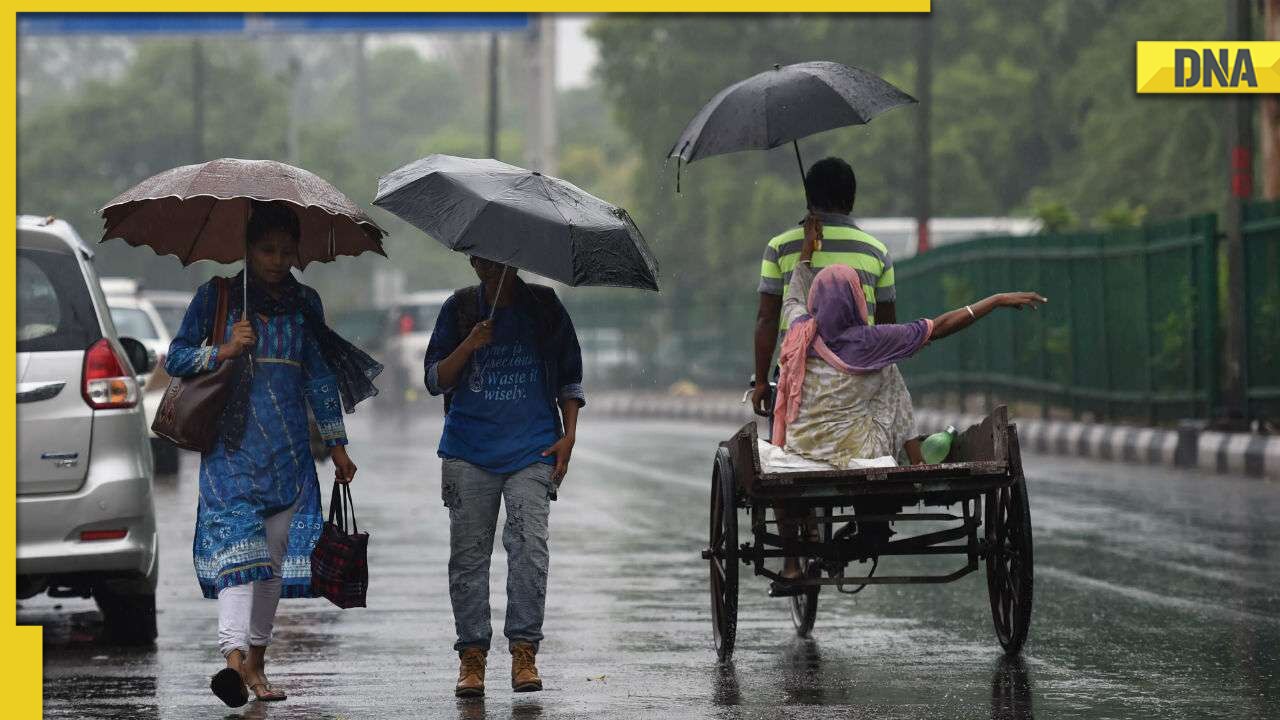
(273, 468)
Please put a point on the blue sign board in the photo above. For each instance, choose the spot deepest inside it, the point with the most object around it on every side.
(250, 23)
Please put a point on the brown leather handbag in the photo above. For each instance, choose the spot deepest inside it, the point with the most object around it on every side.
(189, 412)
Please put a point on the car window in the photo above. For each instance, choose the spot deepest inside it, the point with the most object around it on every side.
(424, 317)
(134, 323)
(55, 309)
(362, 327)
(171, 316)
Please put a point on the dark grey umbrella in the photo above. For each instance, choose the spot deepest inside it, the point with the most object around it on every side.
(785, 104)
(520, 218)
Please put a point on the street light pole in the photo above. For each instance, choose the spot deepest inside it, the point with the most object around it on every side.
(924, 83)
(1239, 135)
(292, 146)
(492, 125)
(1269, 115)
(540, 117)
(197, 101)
(362, 91)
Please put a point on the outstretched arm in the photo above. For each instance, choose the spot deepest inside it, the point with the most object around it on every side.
(952, 322)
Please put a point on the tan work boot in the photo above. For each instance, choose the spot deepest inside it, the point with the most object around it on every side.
(470, 673)
(524, 673)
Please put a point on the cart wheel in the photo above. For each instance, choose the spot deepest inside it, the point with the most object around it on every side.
(1009, 563)
(724, 555)
(804, 608)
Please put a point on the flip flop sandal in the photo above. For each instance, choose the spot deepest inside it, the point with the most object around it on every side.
(271, 694)
(229, 687)
(777, 589)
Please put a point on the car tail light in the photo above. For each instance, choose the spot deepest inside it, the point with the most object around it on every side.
(89, 535)
(107, 384)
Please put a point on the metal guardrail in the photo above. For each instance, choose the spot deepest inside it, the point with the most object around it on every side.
(1130, 331)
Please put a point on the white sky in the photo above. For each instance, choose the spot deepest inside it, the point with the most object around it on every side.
(575, 53)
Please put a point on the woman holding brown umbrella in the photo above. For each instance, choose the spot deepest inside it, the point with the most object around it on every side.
(259, 513)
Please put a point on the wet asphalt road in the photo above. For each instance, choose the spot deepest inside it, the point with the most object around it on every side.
(1157, 595)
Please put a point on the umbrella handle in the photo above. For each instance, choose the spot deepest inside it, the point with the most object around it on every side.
(501, 279)
(795, 144)
(245, 315)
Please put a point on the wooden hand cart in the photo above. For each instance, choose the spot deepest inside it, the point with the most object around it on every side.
(982, 475)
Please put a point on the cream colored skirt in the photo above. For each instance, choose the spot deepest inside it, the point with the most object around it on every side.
(843, 417)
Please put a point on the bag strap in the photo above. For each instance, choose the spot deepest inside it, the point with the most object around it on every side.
(337, 519)
(341, 498)
(466, 305)
(220, 315)
(466, 302)
(349, 505)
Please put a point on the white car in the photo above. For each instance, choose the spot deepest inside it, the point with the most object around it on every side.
(135, 316)
(171, 305)
(410, 321)
(86, 522)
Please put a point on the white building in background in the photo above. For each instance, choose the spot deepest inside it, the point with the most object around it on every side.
(899, 233)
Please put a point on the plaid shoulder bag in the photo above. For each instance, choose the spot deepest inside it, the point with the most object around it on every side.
(339, 562)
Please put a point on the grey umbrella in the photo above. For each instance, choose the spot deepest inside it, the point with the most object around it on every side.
(785, 104)
(520, 218)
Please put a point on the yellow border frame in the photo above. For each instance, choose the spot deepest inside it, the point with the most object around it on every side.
(555, 6)
(22, 661)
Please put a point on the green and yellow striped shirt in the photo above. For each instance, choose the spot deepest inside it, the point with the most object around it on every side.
(842, 244)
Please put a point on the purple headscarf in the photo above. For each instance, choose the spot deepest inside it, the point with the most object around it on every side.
(837, 330)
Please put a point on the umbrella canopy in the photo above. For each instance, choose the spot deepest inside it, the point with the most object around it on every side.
(520, 218)
(785, 104)
(199, 212)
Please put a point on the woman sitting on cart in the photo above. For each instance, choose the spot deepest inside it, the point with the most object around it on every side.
(840, 395)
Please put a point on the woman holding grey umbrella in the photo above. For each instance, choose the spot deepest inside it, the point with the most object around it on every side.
(505, 355)
(258, 516)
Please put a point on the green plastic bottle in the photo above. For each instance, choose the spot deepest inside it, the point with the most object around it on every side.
(934, 449)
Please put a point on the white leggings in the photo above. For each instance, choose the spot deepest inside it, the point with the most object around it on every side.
(247, 612)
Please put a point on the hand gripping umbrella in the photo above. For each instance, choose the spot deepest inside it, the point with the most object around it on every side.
(520, 218)
(199, 212)
(783, 105)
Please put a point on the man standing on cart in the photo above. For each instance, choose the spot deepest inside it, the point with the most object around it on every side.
(830, 189)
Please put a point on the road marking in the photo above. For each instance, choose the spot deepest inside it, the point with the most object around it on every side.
(1139, 555)
(682, 428)
(642, 471)
(1153, 598)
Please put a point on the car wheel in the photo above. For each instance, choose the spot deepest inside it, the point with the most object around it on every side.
(127, 619)
(166, 456)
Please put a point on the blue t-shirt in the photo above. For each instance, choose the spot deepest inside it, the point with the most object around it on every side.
(506, 421)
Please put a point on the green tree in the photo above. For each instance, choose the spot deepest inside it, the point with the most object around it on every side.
(77, 152)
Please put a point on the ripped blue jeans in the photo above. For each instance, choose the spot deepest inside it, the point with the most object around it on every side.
(472, 495)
